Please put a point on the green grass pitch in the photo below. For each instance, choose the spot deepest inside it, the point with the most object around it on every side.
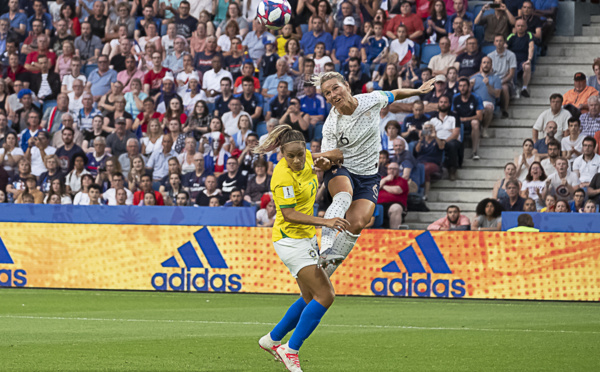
(58, 330)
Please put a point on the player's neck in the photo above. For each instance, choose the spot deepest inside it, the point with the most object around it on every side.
(349, 108)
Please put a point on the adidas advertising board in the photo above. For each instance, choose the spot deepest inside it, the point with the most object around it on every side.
(461, 264)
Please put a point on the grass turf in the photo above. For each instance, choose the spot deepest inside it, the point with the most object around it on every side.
(144, 331)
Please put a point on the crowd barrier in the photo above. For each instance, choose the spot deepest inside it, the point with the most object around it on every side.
(556, 222)
(470, 264)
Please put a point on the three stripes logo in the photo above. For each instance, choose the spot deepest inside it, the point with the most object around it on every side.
(421, 286)
(9, 277)
(188, 278)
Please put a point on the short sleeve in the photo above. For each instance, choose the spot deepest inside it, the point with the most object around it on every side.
(329, 141)
(283, 191)
(479, 103)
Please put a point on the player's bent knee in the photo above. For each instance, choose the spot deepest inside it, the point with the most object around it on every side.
(325, 297)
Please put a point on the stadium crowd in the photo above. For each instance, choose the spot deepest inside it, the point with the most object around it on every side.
(160, 102)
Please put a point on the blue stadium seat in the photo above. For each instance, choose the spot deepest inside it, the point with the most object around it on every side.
(48, 104)
(418, 50)
(261, 128)
(378, 213)
(479, 32)
(488, 49)
(418, 177)
(87, 70)
(428, 51)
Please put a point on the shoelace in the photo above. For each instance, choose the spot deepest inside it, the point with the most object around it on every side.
(293, 358)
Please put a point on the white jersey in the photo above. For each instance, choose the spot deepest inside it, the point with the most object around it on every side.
(357, 135)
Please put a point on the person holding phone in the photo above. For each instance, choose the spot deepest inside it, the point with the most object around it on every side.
(500, 22)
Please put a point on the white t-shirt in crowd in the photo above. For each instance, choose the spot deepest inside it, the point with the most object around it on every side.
(37, 163)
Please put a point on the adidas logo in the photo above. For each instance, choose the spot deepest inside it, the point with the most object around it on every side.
(202, 281)
(10, 278)
(423, 286)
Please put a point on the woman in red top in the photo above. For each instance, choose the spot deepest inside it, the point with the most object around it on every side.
(393, 195)
(140, 125)
(174, 111)
(67, 12)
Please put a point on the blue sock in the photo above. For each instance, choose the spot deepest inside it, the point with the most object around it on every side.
(309, 320)
(289, 320)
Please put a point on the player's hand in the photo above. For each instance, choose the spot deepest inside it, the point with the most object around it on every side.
(427, 86)
(323, 164)
(337, 223)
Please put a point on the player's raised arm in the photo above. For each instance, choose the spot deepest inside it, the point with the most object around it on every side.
(405, 93)
(327, 159)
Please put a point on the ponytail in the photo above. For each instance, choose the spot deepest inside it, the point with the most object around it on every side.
(279, 136)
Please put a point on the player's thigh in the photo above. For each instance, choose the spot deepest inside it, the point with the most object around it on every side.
(297, 254)
(314, 280)
(359, 214)
(339, 184)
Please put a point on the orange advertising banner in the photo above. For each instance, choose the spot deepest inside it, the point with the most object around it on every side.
(547, 266)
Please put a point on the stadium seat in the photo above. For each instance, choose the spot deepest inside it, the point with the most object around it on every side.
(87, 70)
(429, 50)
(378, 214)
(48, 104)
(418, 177)
(488, 49)
(261, 128)
(418, 50)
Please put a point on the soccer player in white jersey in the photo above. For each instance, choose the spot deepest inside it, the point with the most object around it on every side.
(353, 127)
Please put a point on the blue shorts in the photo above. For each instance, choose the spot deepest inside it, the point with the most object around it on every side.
(363, 187)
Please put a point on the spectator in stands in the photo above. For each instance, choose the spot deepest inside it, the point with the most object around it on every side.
(10, 153)
(117, 182)
(440, 63)
(158, 162)
(73, 178)
(255, 41)
(572, 145)
(76, 96)
(414, 24)
(549, 163)
(94, 194)
(436, 22)
(186, 157)
(469, 62)
(222, 101)
(499, 190)
(171, 189)
(342, 43)
(562, 184)
(88, 46)
(32, 131)
(555, 113)
(499, 23)
(534, 22)
(20, 121)
(279, 104)
(58, 189)
(30, 189)
(117, 141)
(403, 157)
(121, 197)
(138, 169)
(522, 44)
(149, 199)
(53, 116)
(431, 99)
(587, 165)
(86, 115)
(18, 20)
(316, 35)
(593, 189)
(534, 184)
(590, 207)
(447, 125)
(312, 105)
(513, 201)
(562, 206)
(458, 40)
(540, 148)
(402, 46)
(529, 205)
(37, 151)
(231, 118)
(413, 124)
(129, 77)
(233, 178)
(32, 62)
(504, 65)
(487, 86)
(393, 197)
(590, 121)
(86, 140)
(45, 84)
(16, 183)
(375, 45)
(132, 147)
(182, 199)
(154, 76)
(30, 43)
(488, 216)
(100, 80)
(454, 220)
(594, 80)
(577, 204)
(210, 191)
(251, 102)
(429, 151)
(146, 187)
(547, 9)
(265, 217)
(174, 60)
(271, 83)
(236, 199)
(297, 119)
(576, 99)
(356, 78)
(526, 159)
(193, 182)
(392, 131)
(52, 172)
(212, 79)
(469, 108)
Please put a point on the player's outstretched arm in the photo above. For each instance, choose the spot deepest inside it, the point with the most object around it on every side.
(405, 93)
(335, 156)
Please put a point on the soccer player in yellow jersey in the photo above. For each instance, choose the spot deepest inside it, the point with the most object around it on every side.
(294, 187)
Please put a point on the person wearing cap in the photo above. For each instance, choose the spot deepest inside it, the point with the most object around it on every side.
(174, 61)
(431, 99)
(192, 93)
(117, 141)
(129, 73)
(440, 63)
(343, 43)
(100, 79)
(346, 10)
(153, 78)
(25, 97)
(166, 94)
(575, 100)
(211, 81)
(255, 41)
(414, 24)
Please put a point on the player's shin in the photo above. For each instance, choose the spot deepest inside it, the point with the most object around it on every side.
(289, 320)
(338, 208)
(342, 246)
(309, 320)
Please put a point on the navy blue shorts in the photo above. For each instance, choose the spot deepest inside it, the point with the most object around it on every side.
(363, 187)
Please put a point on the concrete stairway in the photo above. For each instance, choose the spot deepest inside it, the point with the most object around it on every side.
(554, 74)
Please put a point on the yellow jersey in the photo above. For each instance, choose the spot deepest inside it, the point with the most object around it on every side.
(296, 190)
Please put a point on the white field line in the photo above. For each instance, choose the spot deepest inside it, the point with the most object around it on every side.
(365, 326)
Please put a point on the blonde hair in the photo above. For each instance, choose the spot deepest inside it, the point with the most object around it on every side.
(318, 80)
(280, 136)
